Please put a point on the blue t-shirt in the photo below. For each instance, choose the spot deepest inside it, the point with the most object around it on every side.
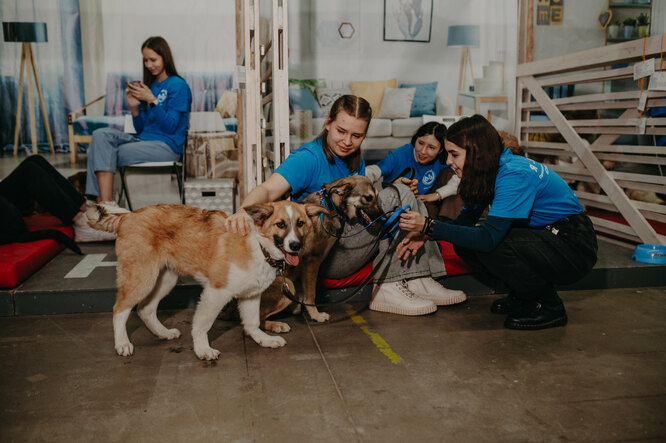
(403, 157)
(167, 121)
(306, 169)
(525, 189)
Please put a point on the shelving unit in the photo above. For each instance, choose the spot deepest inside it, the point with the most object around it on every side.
(622, 10)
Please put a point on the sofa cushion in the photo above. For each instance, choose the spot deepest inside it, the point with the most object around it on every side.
(326, 97)
(406, 127)
(318, 125)
(373, 92)
(454, 266)
(303, 100)
(397, 103)
(18, 261)
(424, 98)
(379, 127)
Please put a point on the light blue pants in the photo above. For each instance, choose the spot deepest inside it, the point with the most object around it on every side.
(111, 148)
(352, 253)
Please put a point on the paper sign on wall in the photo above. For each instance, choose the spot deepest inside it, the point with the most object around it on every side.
(642, 101)
(644, 69)
(658, 81)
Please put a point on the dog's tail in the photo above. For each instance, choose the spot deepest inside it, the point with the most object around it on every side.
(105, 218)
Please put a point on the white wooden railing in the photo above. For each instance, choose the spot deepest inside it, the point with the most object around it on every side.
(582, 131)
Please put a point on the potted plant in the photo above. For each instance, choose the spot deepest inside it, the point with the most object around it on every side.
(614, 29)
(643, 23)
(629, 24)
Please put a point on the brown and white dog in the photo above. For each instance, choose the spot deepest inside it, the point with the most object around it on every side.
(158, 242)
(356, 198)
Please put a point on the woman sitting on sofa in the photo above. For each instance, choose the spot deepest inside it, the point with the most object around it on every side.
(401, 287)
(160, 107)
(427, 156)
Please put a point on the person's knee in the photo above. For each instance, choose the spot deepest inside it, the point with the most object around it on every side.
(389, 198)
(33, 165)
(102, 134)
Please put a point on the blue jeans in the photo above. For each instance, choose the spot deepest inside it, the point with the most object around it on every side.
(111, 148)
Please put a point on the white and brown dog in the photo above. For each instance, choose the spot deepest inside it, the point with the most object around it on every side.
(158, 242)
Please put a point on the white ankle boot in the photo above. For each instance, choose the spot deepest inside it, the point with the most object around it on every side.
(396, 298)
(429, 289)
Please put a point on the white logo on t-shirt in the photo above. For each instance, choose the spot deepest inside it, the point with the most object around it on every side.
(161, 97)
(429, 177)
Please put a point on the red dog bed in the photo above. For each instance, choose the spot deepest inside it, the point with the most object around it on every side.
(18, 261)
(454, 266)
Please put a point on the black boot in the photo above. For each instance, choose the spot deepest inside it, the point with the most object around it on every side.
(507, 305)
(538, 314)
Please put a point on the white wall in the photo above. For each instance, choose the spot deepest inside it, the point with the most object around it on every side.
(371, 58)
(579, 30)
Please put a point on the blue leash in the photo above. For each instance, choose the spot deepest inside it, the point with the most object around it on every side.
(391, 225)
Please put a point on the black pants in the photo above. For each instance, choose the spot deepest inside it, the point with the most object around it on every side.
(36, 180)
(530, 261)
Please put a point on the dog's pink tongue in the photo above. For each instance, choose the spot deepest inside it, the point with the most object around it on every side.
(292, 259)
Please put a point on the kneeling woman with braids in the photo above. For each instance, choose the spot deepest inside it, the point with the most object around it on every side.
(535, 235)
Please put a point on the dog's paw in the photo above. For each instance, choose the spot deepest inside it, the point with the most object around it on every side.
(320, 317)
(171, 334)
(271, 341)
(125, 349)
(277, 326)
(208, 353)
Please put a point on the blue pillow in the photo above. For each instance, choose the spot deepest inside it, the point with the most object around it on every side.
(424, 98)
(302, 99)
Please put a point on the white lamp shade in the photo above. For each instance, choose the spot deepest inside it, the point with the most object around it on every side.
(464, 35)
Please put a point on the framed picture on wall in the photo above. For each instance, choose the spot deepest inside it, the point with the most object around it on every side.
(407, 20)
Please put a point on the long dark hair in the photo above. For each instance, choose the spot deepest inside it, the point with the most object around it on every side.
(436, 129)
(161, 47)
(483, 146)
(357, 107)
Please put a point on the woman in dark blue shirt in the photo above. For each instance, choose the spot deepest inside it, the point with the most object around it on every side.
(535, 235)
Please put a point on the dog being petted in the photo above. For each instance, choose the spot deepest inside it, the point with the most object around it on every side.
(158, 243)
(351, 199)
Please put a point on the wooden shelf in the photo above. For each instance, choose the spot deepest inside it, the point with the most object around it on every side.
(622, 39)
(630, 5)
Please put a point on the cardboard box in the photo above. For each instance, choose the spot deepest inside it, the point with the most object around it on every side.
(212, 155)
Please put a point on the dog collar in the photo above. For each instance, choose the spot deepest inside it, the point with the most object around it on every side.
(278, 264)
(327, 202)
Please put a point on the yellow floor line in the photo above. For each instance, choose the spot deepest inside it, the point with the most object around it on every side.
(377, 339)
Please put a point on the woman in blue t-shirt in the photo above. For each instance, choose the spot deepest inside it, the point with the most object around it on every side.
(160, 107)
(401, 287)
(427, 156)
(535, 235)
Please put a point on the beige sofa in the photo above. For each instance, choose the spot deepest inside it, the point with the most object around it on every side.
(383, 135)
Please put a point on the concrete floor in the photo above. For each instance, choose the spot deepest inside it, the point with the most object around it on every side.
(455, 375)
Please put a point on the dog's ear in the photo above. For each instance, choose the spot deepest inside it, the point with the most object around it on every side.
(314, 210)
(259, 213)
(342, 190)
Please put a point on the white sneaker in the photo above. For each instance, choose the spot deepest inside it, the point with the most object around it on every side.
(429, 289)
(111, 203)
(84, 233)
(396, 298)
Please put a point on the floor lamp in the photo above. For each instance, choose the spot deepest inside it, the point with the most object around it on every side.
(26, 33)
(467, 36)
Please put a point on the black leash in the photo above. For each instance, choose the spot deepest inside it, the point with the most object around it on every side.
(280, 272)
(287, 293)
